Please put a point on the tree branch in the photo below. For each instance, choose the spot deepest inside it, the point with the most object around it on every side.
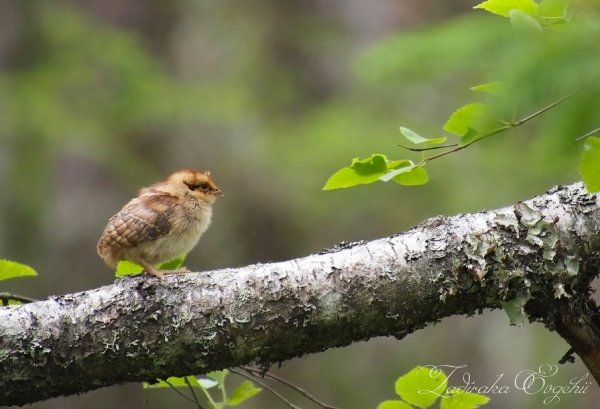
(546, 251)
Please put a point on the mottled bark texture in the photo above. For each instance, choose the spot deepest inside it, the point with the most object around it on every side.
(535, 258)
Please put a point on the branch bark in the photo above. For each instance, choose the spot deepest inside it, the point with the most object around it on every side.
(536, 257)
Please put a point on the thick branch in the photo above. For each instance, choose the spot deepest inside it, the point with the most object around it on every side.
(544, 251)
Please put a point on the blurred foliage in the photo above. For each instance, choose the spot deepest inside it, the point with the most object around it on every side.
(214, 381)
(590, 163)
(274, 97)
(571, 31)
(91, 86)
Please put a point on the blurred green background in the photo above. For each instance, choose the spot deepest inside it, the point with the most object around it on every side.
(100, 97)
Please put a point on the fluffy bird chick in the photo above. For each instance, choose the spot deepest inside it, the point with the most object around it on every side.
(164, 221)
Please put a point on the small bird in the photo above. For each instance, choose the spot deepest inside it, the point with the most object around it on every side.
(164, 221)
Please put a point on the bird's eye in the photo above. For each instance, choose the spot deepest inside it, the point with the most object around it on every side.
(200, 186)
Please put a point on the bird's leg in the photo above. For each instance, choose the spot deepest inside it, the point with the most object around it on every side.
(150, 269)
(182, 270)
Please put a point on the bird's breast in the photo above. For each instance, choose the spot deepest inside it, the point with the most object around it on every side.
(184, 235)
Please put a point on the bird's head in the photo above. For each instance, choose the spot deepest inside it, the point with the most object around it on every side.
(191, 183)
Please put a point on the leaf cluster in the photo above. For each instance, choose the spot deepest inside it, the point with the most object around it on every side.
(11, 269)
(476, 121)
(378, 168)
(212, 387)
(424, 385)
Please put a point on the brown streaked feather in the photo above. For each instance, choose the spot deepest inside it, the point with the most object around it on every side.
(143, 219)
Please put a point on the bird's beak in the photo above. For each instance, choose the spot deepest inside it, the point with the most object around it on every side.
(218, 192)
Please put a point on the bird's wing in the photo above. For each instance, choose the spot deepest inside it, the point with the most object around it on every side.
(142, 219)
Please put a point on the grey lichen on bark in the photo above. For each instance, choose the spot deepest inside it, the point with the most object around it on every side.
(536, 258)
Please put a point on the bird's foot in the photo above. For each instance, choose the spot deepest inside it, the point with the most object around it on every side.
(182, 270)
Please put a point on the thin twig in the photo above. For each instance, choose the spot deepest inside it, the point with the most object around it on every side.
(590, 133)
(544, 109)
(287, 383)
(198, 404)
(5, 297)
(183, 395)
(210, 399)
(504, 127)
(267, 387)
(431, 148)
(459, 148)
(223, 391)
(145, 398)
(568, 357)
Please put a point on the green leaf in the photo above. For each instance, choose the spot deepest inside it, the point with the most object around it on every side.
(489, 87)
(503, 7)
(553, 8)
(394, 404)
(12, 269)
(173, 264)
(414, 177)
(406, 173)
(396, 168)
(397, 164)
(243, 392)
(421, 386)
(360, 172)
(471, 136)
(374, 164)
(520, 19)
(347, 177)
(218, 376)
(515, 310)
(174, 381)
(207, 383)
(127, 268)
(377, 167)
(463, 400)
(417, 139)
(464, 118)
(590, 164)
